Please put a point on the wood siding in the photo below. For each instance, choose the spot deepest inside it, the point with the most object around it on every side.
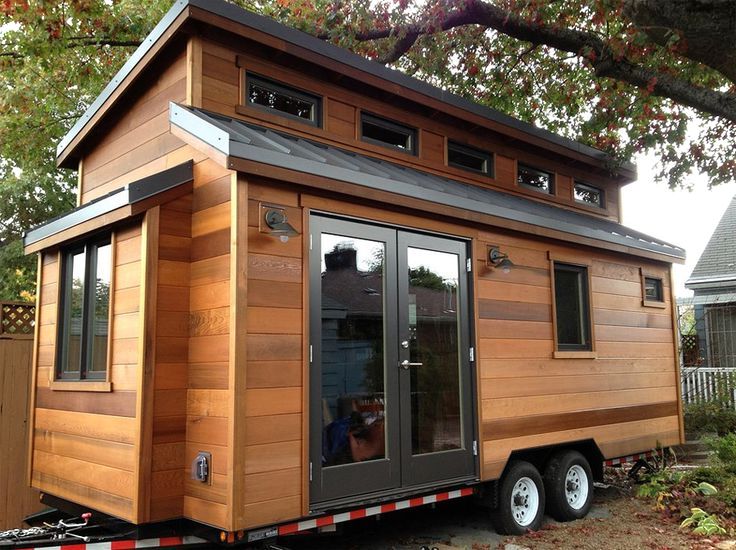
(274, 464)
(221, 89)
(207, 349)
(138, 143)
(625, 398)
(84, 442)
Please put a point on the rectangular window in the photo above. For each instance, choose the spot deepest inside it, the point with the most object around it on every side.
(387, 133)
(653, 291)
(84, 311)
(536, 179)
(284, 100)
(589, 194)
(469, 158)
(572, 309)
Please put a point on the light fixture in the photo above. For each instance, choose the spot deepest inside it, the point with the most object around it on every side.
(499, 259)
(278, 224)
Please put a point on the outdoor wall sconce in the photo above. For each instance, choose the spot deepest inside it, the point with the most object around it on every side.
(278, 224)
(499, 259)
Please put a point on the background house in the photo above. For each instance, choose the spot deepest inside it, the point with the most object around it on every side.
(713, 282)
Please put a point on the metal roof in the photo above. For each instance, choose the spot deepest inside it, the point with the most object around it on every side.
(717, 263)
(298, 38)
(250, 142)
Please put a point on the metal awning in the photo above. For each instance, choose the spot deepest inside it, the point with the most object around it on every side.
(708, 299)
(237, 139)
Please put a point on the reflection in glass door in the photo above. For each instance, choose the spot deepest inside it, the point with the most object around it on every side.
(390, 378)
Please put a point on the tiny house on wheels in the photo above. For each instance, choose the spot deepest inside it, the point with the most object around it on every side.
(300, 287)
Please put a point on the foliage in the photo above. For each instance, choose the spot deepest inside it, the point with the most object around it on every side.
(716, 415)
(703, 523)
(724, 451)
(566, 66)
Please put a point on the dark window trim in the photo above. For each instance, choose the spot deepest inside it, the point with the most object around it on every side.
(647, 302)
(551, 175)
(411, 133)
(486, 156)
(285, 89)
(89, 248)
(601, 193)
(587, 347)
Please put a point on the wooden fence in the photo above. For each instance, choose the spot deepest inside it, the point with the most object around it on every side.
(17, 500)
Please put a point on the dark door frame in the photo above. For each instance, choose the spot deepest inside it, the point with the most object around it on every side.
(381, 478)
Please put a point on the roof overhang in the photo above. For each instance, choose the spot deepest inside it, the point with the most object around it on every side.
(720, 281)
(229, 17)
(241, 143)
(116, 206)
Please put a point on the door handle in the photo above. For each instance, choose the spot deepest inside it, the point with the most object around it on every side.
(405, 364)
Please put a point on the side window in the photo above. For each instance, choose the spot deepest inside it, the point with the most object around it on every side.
(281, 99)
(84, 311)
(387, 133)
(589, 194)
(572, 308)
(652, 289)
(534, 178)
(469, 158)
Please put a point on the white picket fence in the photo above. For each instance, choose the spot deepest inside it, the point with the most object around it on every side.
(701, 384)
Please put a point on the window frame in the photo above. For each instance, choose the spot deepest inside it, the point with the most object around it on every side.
(97, 380)
(601, 194)
(646, 302)
(284, 89)
(550, 191)
(387, 124)
(587, 350)
(486, 156)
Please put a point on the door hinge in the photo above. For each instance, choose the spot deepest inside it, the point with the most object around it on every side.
(310, 471)
(311, 356)
(475, 453)
(468, 265)
(471, 354)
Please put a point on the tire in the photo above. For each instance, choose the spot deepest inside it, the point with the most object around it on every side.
(520, 500)
(568, 483)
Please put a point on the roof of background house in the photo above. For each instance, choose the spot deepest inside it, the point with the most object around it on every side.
(717, 263)
(167, 27)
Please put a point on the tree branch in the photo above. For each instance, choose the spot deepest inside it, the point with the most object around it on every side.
(580, 43)
(83, 41)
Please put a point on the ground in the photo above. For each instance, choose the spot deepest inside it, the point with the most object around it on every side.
(617, 521)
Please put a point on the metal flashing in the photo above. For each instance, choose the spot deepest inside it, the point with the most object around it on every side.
(132, 193)
(303, 40)
(377, 174)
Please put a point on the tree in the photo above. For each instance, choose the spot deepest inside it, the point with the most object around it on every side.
(624, 76)
(55, 57)
(621, 75)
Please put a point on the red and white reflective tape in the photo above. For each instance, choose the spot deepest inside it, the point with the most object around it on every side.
(627, 459)
(291, 528)
(124, 544)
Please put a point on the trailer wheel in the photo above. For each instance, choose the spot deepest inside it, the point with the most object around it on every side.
(569, 485)
(521, 500)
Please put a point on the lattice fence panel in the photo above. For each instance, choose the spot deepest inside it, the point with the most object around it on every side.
(17, 318)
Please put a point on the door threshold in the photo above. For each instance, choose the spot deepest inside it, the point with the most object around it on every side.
(387, 495)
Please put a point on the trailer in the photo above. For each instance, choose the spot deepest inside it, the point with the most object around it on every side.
(299, 287)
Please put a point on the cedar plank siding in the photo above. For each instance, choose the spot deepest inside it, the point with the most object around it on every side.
(221, 93)
(207, 353)
(84, 442)
(139, 143)
(275, 343)
(529, 399)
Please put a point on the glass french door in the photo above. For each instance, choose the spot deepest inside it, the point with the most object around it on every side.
(389, 373)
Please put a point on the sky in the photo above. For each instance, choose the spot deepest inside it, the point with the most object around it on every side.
(683, 218)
